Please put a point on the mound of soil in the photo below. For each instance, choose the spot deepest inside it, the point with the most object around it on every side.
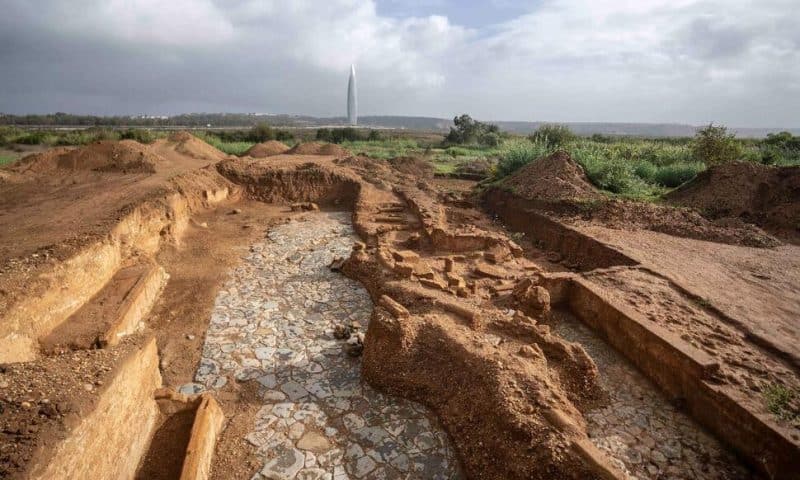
(319, 148)
(126, 156)
(192, 146)
(679, 222)
(415, 166)
(768, 196)
(555, 178)
(267, 149)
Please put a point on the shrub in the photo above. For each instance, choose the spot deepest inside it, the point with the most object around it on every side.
(713, 145)
(469, 131)
(141, 135)
(261, 133)
(671, 176)
(646, 171)
(519, 155)
(553, 135)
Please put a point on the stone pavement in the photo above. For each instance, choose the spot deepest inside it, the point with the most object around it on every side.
(639, 429)
(273, 322)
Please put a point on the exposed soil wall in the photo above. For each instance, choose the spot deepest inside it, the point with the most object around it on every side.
(108, 443)
(307, 183)
(74, 282)
(685, 373)
(581, 250)
(765, 195)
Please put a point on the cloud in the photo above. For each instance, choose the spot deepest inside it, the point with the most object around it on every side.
(732, 61)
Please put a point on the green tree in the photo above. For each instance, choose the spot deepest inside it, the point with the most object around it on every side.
(713, 145)
(553, 135)
(261, 132)
(469, 131)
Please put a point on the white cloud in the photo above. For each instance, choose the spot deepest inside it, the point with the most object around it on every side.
(734, 61)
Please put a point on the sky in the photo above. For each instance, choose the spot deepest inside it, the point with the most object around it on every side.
(734, 62)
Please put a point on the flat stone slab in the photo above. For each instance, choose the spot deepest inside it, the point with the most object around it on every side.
(273, 322)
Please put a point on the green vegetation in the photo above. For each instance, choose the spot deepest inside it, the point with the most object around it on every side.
(12, 135)
(4, 159)
(348, 134)
(628, 167)
(713, 145)
(229, 147)
(471, 132)
(553, 135)
(781, 402)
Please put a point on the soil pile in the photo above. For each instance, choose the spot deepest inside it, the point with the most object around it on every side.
(319, 148)
(189, 145)
(126, 156)
(769, 196)
(267, 149)
(555, 178)
(679, 222)
(415, 166)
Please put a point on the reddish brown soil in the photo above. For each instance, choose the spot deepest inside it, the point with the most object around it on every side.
(769, 196)
(164, 458)
(235, 457)
(757, 288)
(416, 166)
(267, 149)
(41, 401)
(197, 268)
(680, 222)
(444, 279)
(555, 178)
(319, 148)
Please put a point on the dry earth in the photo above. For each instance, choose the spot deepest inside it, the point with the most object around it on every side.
(318, 315)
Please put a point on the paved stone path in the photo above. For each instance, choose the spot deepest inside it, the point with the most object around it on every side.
(639, 429)
(273, 322)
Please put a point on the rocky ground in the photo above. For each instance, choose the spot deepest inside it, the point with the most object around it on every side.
(274, 322)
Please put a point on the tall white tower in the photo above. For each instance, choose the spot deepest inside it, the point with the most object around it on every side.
(352, 102)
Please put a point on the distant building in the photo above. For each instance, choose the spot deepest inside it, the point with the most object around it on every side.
(352, 102)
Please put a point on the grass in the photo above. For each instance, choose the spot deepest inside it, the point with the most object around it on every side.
(444, 160)
(231, 148)
(4, 159)
(779, 400)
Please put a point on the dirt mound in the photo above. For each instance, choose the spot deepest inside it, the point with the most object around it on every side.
(555, 178)
(319, 148)
(189, 145)
(679, 222)
(416, 166)
(126, 156)
(768, 196)
(267, 149)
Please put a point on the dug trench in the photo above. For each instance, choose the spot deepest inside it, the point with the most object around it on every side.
(374, 338)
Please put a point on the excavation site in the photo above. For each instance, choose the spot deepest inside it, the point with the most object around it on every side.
(169, 311)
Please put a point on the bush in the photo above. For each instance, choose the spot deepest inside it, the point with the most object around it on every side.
(519, 155)
(713, 145)
(141, 135)
(468, 131)
(553, 135)
(261, 132)
(677, 174)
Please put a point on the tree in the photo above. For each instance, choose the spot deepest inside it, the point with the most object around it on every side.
(467, 131)
(553, 135)
(713, 145)
(261, 132)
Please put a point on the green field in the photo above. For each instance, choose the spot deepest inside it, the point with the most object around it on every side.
(620, 166)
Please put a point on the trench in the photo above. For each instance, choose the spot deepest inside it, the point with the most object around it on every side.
(642, 433)
(273, 323)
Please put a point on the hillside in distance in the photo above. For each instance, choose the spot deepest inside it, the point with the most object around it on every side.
(431, 124)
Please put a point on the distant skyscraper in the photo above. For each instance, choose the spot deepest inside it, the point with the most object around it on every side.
(352, 102)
